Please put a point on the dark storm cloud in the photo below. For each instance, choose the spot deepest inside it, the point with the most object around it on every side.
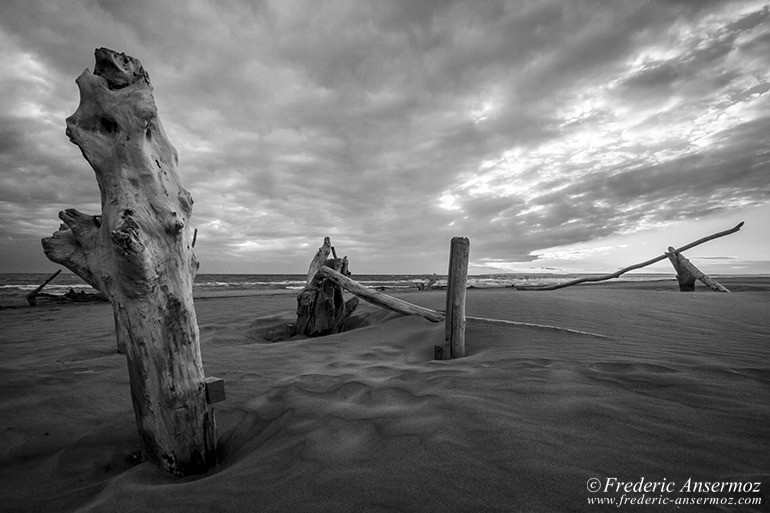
(394, 125)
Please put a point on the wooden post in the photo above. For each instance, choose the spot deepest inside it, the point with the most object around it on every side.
(139, 254)
(697, 273)
(685, 279)
(455, 298)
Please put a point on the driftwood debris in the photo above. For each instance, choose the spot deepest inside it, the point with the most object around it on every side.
(632, 267)
(71, 296)
(689, 273)
(138, 252)
(321, 306)
(319, 259)
(428, 284)
(684, 277)
(405, 308)
(31, 296)
(378, 298)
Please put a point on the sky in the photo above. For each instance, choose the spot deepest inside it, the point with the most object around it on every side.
(579, 136)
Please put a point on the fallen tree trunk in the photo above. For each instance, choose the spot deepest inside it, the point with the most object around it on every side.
(632, 267)
(378, 298)
(138, 252)
(31, 296)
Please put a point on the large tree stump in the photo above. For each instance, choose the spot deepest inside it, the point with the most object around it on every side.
(138, 252)
(321, 306)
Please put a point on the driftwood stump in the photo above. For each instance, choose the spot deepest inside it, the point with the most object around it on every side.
(690, 273)
(684, 278)
(138, 252)
(321, 306)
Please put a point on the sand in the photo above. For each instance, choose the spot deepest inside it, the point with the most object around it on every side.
(672, 386)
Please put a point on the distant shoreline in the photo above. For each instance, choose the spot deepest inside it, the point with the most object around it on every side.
(12, 295)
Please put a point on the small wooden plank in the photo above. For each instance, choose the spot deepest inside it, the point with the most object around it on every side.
(215, 390)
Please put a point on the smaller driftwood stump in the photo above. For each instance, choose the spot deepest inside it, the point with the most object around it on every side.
(138, 252)
(687, 273)
(321, 306)
(684, 278)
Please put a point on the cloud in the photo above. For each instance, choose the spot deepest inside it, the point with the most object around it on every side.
(392, 126)
(685, 150)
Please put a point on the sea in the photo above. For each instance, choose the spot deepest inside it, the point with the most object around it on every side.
(15, 287)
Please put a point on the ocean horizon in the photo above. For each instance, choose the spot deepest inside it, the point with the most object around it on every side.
(15, 286)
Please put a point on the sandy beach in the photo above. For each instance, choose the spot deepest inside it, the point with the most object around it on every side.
(643, 385)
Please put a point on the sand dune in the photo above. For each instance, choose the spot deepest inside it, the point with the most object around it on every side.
(677, 386)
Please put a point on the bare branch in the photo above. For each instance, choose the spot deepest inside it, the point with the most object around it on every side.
(635, 266)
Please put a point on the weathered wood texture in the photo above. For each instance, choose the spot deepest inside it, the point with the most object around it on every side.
(321, 306)
(635, 266)
(138, 252)
(378, 298)
(684, 278)
(319, 259)
(31, 296)
(690, 268)
(457, 280)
